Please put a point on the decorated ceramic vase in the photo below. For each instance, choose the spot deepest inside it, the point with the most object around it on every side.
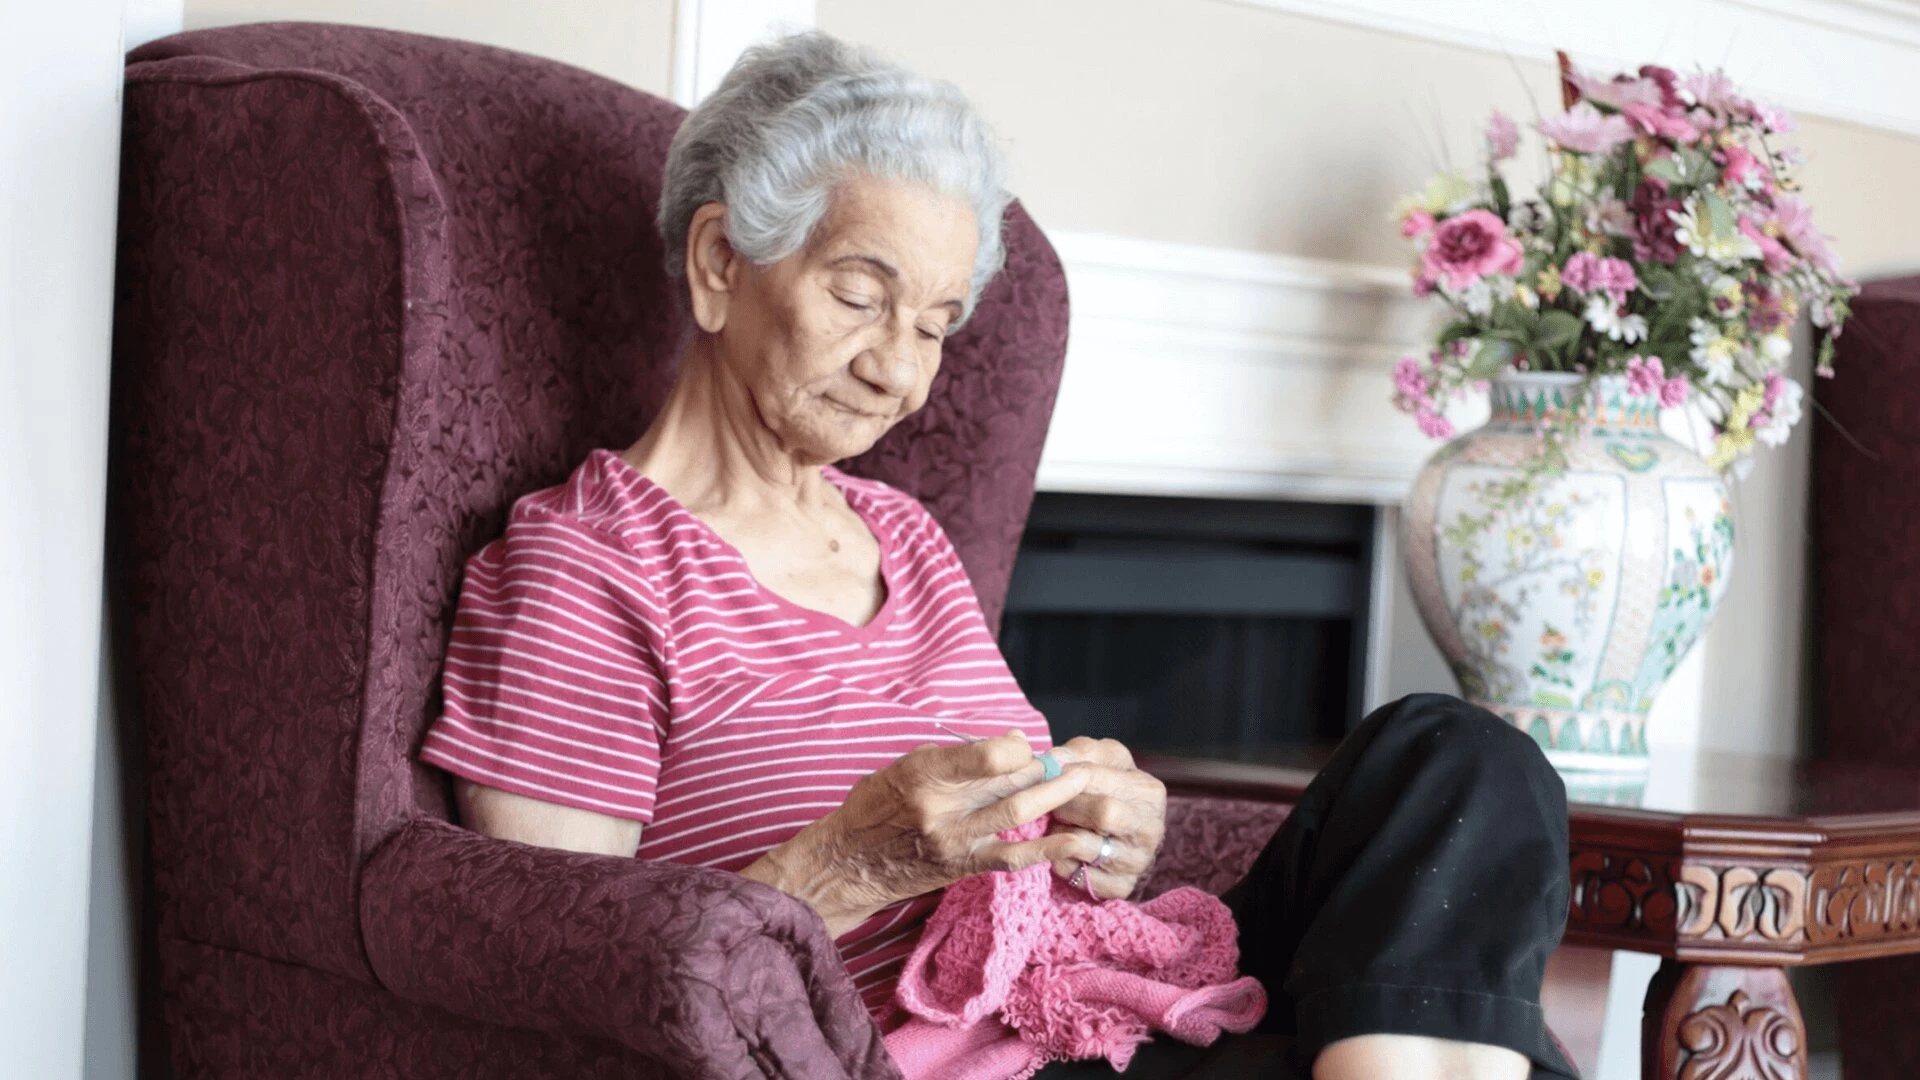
(1565, 611)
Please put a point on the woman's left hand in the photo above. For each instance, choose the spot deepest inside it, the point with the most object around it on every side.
(1121, 803)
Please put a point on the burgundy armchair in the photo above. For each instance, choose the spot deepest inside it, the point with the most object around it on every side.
(372, 287)
(1867, 600)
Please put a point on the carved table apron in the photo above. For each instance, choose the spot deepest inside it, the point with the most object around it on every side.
(1728, 900)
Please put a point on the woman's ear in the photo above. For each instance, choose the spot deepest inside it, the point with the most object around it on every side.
(712, 266)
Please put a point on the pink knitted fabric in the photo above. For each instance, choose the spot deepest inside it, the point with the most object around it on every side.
(1017, 969)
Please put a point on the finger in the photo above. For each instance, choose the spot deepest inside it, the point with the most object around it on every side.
(995, 757)
(1129, 784)
(1106, 815)
(1102, 882)
(1119, 803)
(1030, 772)
(1108, 752)
(1025, 805)
(1122, 857)
(1020, 854)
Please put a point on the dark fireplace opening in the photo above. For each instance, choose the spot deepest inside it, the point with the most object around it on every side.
(1212, 628)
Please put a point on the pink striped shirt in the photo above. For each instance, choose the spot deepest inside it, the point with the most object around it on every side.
(612, 653)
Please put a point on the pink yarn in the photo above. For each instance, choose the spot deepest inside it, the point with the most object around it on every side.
(1017, 969)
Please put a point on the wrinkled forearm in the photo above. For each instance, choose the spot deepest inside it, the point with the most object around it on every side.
(815, 868)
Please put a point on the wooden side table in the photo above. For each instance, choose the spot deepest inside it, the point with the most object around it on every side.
(1754, 866)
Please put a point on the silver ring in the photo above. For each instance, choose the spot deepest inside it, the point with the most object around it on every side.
(1106, 849)
(1049, 765)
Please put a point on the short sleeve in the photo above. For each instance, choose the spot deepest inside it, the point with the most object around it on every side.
(552, 684)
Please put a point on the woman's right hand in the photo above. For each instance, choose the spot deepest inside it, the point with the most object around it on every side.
(921, 824)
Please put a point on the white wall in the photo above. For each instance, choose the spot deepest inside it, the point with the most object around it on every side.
(628, 40)
(1250, 141)
(59, 151)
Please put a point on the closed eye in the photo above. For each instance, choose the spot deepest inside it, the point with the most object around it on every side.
(931, 335)
(854, 304)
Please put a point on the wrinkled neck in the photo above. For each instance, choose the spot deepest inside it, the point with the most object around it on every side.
(711, 449)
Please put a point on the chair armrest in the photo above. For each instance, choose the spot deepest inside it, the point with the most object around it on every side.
(710, 974)
(1281, 784)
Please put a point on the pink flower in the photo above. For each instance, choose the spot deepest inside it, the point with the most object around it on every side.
(1667, 81)
(1796, 224)
(1408, 379)
(1770, 117)
(1645, 376)
(1657, 121)
(1586, 272)
(1740, 168)
(1619, 91)
(1673, 392)
(1468, 246)
(1503, 137)
(1432, 424)
(1415, 223)
(1705, 121)
(1764, 313)
(1713, 90)
(1778, 259)
(1776, 385)
(1580, 271)
(1586, 130)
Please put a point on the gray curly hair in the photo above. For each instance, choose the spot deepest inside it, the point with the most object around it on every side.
(800, 114)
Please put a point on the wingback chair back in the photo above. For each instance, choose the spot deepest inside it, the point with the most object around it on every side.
(372, 287)
(1867, 598)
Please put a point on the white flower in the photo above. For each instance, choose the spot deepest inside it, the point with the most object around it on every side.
(1776, 347)
(1714, 352)
(1694, 228)
(1821, 311)
(1786, 413)
(1477, 298)
(1527, 217)
(1607, 319)
(1609, 217)
(1527, 297)
(1448, 193)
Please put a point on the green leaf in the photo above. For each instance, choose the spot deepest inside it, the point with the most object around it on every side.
(1493, 357)
(1502, 201)
(1514, 321)
(1664, 168)
(1557, 329)
(1458, 331)
(1658, 281)
(1719, 215)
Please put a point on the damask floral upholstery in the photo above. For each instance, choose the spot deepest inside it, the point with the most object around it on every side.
(372, 287)
(1866, 524)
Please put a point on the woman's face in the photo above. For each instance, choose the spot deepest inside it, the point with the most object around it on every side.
(839, 341)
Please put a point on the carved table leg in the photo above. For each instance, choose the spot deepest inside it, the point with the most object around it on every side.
(1707, 1022)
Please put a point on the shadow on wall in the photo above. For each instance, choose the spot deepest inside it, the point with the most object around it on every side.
(125, 1031)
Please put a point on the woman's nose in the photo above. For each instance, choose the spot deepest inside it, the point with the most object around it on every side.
(890, 365)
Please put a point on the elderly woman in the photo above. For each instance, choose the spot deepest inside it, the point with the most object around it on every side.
(714, 648)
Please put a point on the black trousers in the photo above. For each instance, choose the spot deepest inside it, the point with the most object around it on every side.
(1418, 888)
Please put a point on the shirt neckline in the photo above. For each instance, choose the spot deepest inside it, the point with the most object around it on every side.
(856, 501)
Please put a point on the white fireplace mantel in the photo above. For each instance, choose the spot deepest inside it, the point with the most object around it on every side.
(1206, 371)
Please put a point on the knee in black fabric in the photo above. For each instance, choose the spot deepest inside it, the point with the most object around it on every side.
(1466, 740)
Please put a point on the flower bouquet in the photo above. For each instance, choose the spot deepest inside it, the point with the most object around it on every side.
(1566, 556)
(1667, 246)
